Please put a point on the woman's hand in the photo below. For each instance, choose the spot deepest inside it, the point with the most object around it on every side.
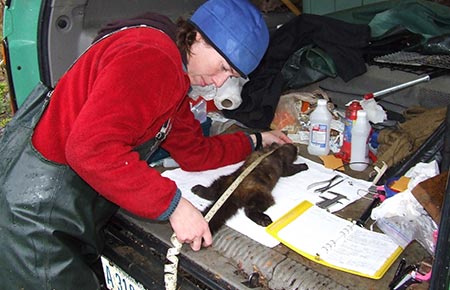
(190, 226)
(275, 136)
(269, 137)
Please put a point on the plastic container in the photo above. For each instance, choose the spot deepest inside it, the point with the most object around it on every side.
(359, 157)
(199, 110)
(350, 119)
(319, 132)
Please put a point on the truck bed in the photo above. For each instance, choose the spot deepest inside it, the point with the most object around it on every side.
(234, 259)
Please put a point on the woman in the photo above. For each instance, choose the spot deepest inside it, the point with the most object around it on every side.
(125, 96)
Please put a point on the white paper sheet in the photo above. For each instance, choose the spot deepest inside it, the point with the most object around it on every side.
(288, 192)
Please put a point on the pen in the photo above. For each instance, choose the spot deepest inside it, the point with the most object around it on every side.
(403, 282)
(403, 276)
(400, 267)
(398, 272)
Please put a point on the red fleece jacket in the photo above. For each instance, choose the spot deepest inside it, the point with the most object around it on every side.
(116, 97)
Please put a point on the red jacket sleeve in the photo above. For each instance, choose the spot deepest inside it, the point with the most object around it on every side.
(194, 152)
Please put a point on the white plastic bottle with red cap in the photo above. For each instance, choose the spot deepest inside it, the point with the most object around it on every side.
(359, 156)
(350, 118)
(319, 132)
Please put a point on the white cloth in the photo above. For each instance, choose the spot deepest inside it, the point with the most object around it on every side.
(288, 192)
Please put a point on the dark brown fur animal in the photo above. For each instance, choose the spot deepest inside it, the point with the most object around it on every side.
(254, 193)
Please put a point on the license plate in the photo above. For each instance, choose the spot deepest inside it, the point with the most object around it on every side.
(118, 279)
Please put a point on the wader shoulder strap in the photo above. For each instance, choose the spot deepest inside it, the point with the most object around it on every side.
(19, 130)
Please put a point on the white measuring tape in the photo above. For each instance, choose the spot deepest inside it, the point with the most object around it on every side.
(170, 270)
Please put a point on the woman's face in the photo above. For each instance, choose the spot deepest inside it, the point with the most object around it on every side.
(206, 66)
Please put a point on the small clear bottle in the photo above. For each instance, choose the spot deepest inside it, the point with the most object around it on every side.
(319, 132)
(359, 156)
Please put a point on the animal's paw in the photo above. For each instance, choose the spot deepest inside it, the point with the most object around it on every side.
(203, 192)
(303, 166)
(197, 189)
(263, 220)
(294, 168)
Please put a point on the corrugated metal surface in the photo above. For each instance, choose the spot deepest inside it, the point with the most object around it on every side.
(277, 270)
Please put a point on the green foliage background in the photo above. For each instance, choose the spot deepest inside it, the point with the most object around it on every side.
(5, 107)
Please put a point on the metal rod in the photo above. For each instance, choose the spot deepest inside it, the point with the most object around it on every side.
(407, 84)
(401, 86)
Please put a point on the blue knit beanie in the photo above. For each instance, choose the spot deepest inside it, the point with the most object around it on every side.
(236, 29)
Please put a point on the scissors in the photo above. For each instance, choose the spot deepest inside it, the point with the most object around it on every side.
(328, 184)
